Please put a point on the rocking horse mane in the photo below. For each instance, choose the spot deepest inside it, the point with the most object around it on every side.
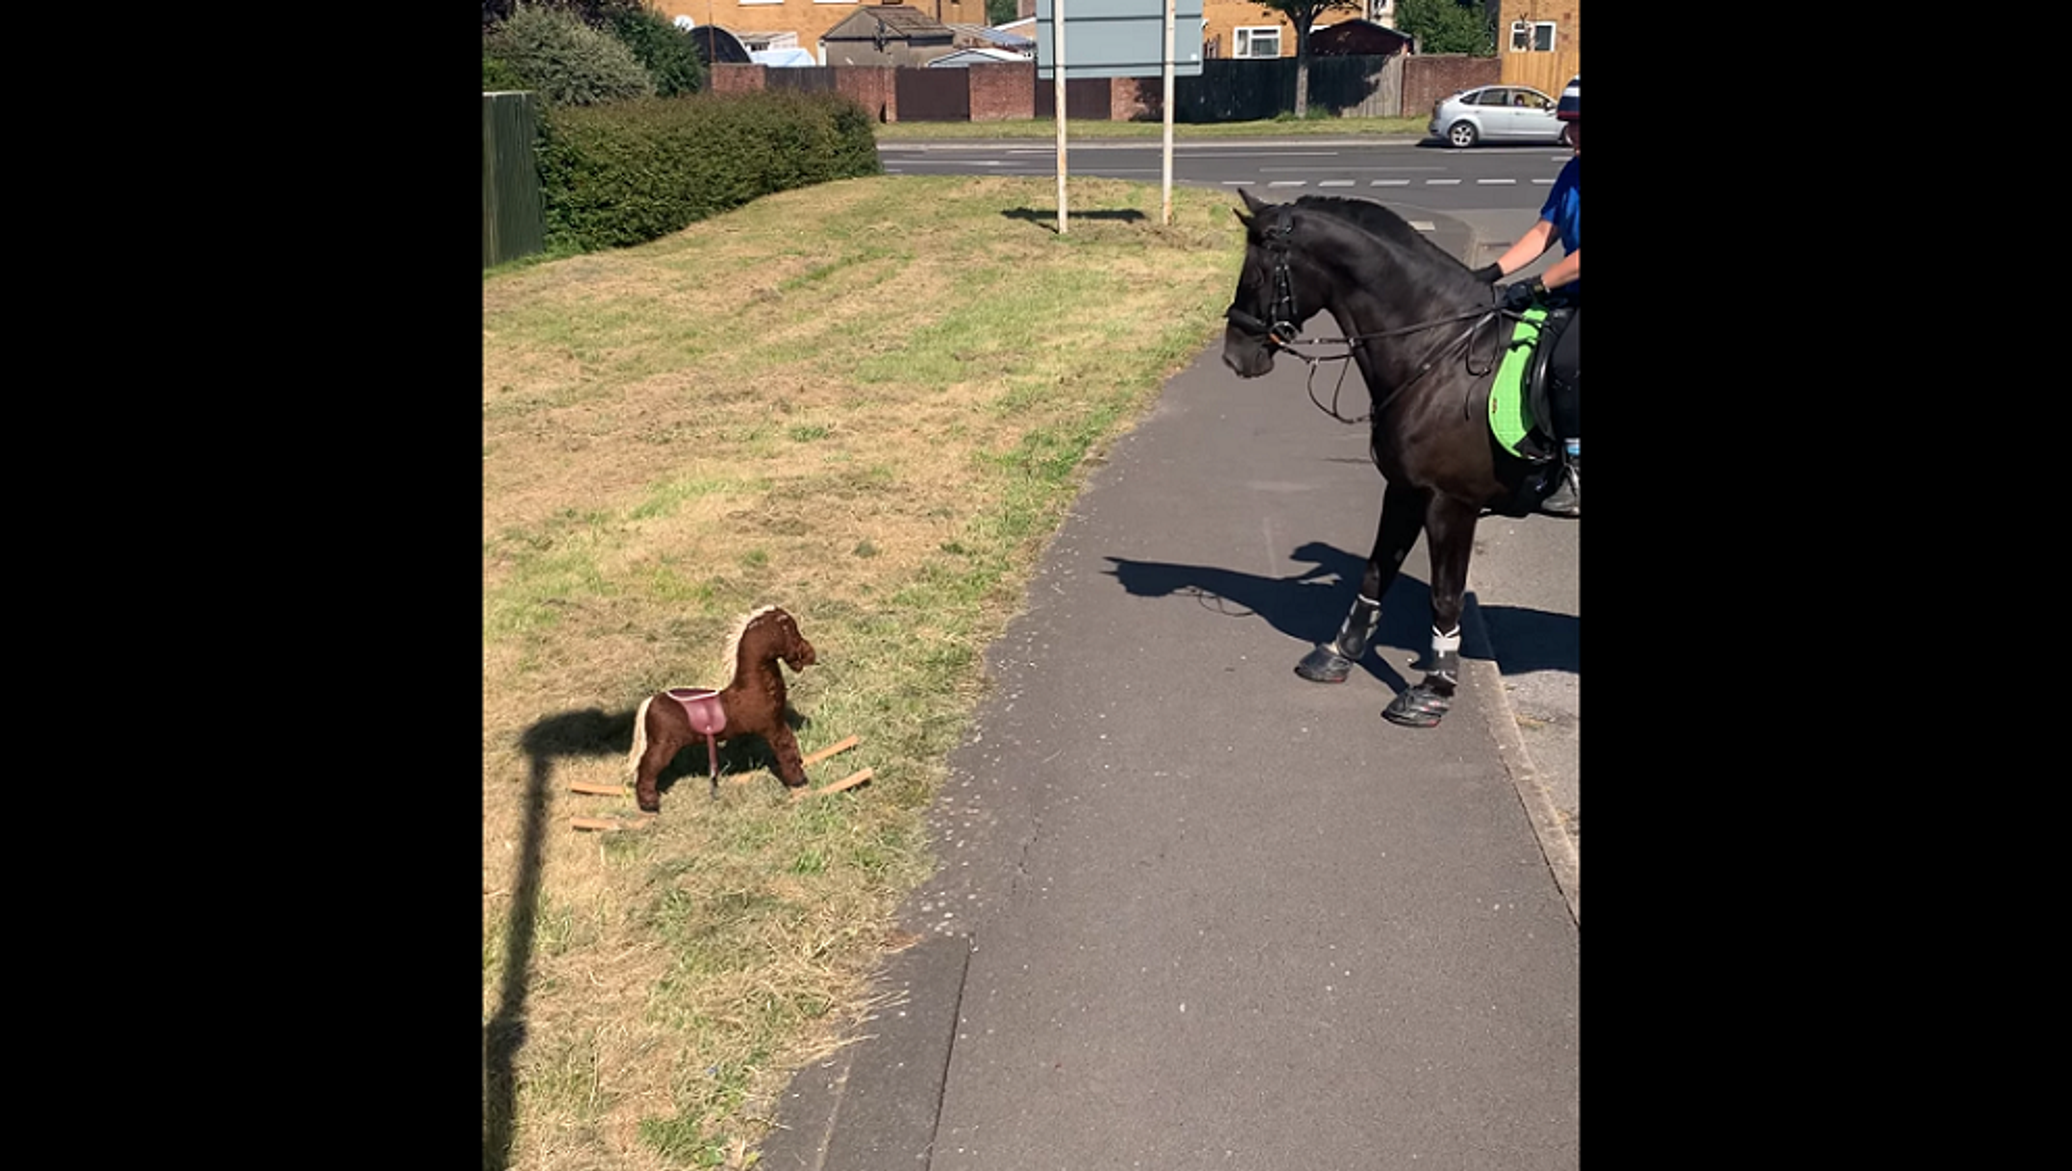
(729, 658)
(1435, 263)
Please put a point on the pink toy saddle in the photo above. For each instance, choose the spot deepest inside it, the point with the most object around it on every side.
(708, 717)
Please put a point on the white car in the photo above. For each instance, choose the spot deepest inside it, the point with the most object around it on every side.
(1497, 113)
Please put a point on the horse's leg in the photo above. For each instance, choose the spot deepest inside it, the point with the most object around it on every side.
(1450, 529)
(1402, 515)
(663, 741)
(791, 764)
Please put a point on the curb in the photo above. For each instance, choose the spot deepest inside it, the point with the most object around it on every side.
(1556, 846)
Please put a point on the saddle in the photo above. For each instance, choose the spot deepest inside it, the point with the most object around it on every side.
(708, 717)
(1520, 413)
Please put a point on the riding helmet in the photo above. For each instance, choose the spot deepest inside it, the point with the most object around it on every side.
(1571, 107)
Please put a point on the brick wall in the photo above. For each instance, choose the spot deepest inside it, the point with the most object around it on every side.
(1426, 79)
(875, 88)
(1002, 92)
(737, 79)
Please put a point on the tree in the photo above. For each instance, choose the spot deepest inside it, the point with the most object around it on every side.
(999, 12)
(1303, 15)
(1448, 26)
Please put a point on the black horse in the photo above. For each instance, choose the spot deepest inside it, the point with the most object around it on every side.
(1427, 337)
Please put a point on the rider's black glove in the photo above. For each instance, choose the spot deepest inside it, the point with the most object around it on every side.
(1489, 274)
(1518, 297)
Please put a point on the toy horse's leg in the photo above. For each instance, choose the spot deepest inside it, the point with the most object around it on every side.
(791, 765)
(712, 758)
(1450, 528)
(664, 736)
(1402, 515)
(662, 748)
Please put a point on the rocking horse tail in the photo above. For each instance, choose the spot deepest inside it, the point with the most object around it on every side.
(639, 734)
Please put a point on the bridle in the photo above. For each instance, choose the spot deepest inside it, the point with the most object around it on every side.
(1282, 334)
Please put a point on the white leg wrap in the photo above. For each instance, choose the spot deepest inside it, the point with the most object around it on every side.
(1443, 643)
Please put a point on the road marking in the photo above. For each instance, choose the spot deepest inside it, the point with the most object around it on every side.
(1289, 183)
(1541, 182)
(1495, 182)
(1442, 182)
(1424, 225)
(1335, 183)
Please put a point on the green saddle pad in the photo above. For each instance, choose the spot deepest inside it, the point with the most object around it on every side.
(1510, 415)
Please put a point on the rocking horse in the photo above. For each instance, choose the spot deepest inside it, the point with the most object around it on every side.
(752, 705)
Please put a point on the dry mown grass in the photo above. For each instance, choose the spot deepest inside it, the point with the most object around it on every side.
(869, 403)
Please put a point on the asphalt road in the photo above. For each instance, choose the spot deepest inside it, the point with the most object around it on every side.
(1483, 178)
(1194, 911)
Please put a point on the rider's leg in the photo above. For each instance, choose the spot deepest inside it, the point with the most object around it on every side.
(1565, 375)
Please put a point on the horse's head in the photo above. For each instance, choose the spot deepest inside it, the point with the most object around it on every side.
(789, 644)
(1266, 311)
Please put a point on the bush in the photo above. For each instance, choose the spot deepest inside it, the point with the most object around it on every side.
(666, 50)
(498, 74)
(565, 61)
(613, 176)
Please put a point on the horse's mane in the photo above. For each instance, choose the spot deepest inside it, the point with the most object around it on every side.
(1380, 222)
(740, 628)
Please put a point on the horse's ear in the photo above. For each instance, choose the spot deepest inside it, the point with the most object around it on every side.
(1246, 221)
(1252, 201)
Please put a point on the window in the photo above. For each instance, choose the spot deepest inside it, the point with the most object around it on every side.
(1532, 36)
(1259, 41)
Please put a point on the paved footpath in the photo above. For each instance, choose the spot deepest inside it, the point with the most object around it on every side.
(1194, 912)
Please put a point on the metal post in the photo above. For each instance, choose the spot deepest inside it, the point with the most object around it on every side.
(1057, 58)
(1168, 220)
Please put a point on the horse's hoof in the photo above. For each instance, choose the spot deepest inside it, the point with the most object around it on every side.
(1324, 665)
(1418, 707)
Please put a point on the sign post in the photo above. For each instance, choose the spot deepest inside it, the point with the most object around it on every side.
(1057, 55)
(1166, 178)
(1117, 38)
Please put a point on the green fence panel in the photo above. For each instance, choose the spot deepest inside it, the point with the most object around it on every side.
(512, 224)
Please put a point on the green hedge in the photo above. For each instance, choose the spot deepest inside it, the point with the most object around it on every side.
(630, 172)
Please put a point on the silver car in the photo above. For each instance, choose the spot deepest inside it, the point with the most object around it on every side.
(1497, 113)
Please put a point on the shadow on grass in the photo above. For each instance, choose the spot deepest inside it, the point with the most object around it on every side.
(587, 733)
(1049, 216)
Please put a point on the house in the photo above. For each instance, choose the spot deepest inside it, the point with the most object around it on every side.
(1239, 28)
(807, 20)
(1539, 42)
(886, 34)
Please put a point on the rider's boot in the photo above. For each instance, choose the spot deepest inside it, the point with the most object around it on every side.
(1567, 497)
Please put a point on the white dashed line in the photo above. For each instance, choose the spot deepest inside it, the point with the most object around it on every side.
(1496, 182)
(1442, 182)
(1424, 225)
(1335, 183)
(1289, 183)
(1389, 183)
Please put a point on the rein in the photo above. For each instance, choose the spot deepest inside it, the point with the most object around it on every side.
(1283, 334)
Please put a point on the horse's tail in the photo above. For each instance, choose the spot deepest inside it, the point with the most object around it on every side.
(639, 734)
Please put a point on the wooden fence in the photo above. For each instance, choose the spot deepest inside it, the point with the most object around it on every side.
(512, 224)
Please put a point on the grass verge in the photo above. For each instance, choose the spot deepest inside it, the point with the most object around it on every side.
(869, 402)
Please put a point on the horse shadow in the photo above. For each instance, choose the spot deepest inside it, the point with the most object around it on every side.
(1309, 606)
(590, 732)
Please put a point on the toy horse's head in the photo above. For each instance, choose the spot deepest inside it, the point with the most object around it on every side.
(767, 634)
(797, 653)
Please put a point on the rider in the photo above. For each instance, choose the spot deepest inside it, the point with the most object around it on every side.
(1561, 215)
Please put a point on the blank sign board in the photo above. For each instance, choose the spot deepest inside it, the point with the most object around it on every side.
(1119, 38)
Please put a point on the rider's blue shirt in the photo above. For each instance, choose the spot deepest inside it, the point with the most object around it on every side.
(1564, 208)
